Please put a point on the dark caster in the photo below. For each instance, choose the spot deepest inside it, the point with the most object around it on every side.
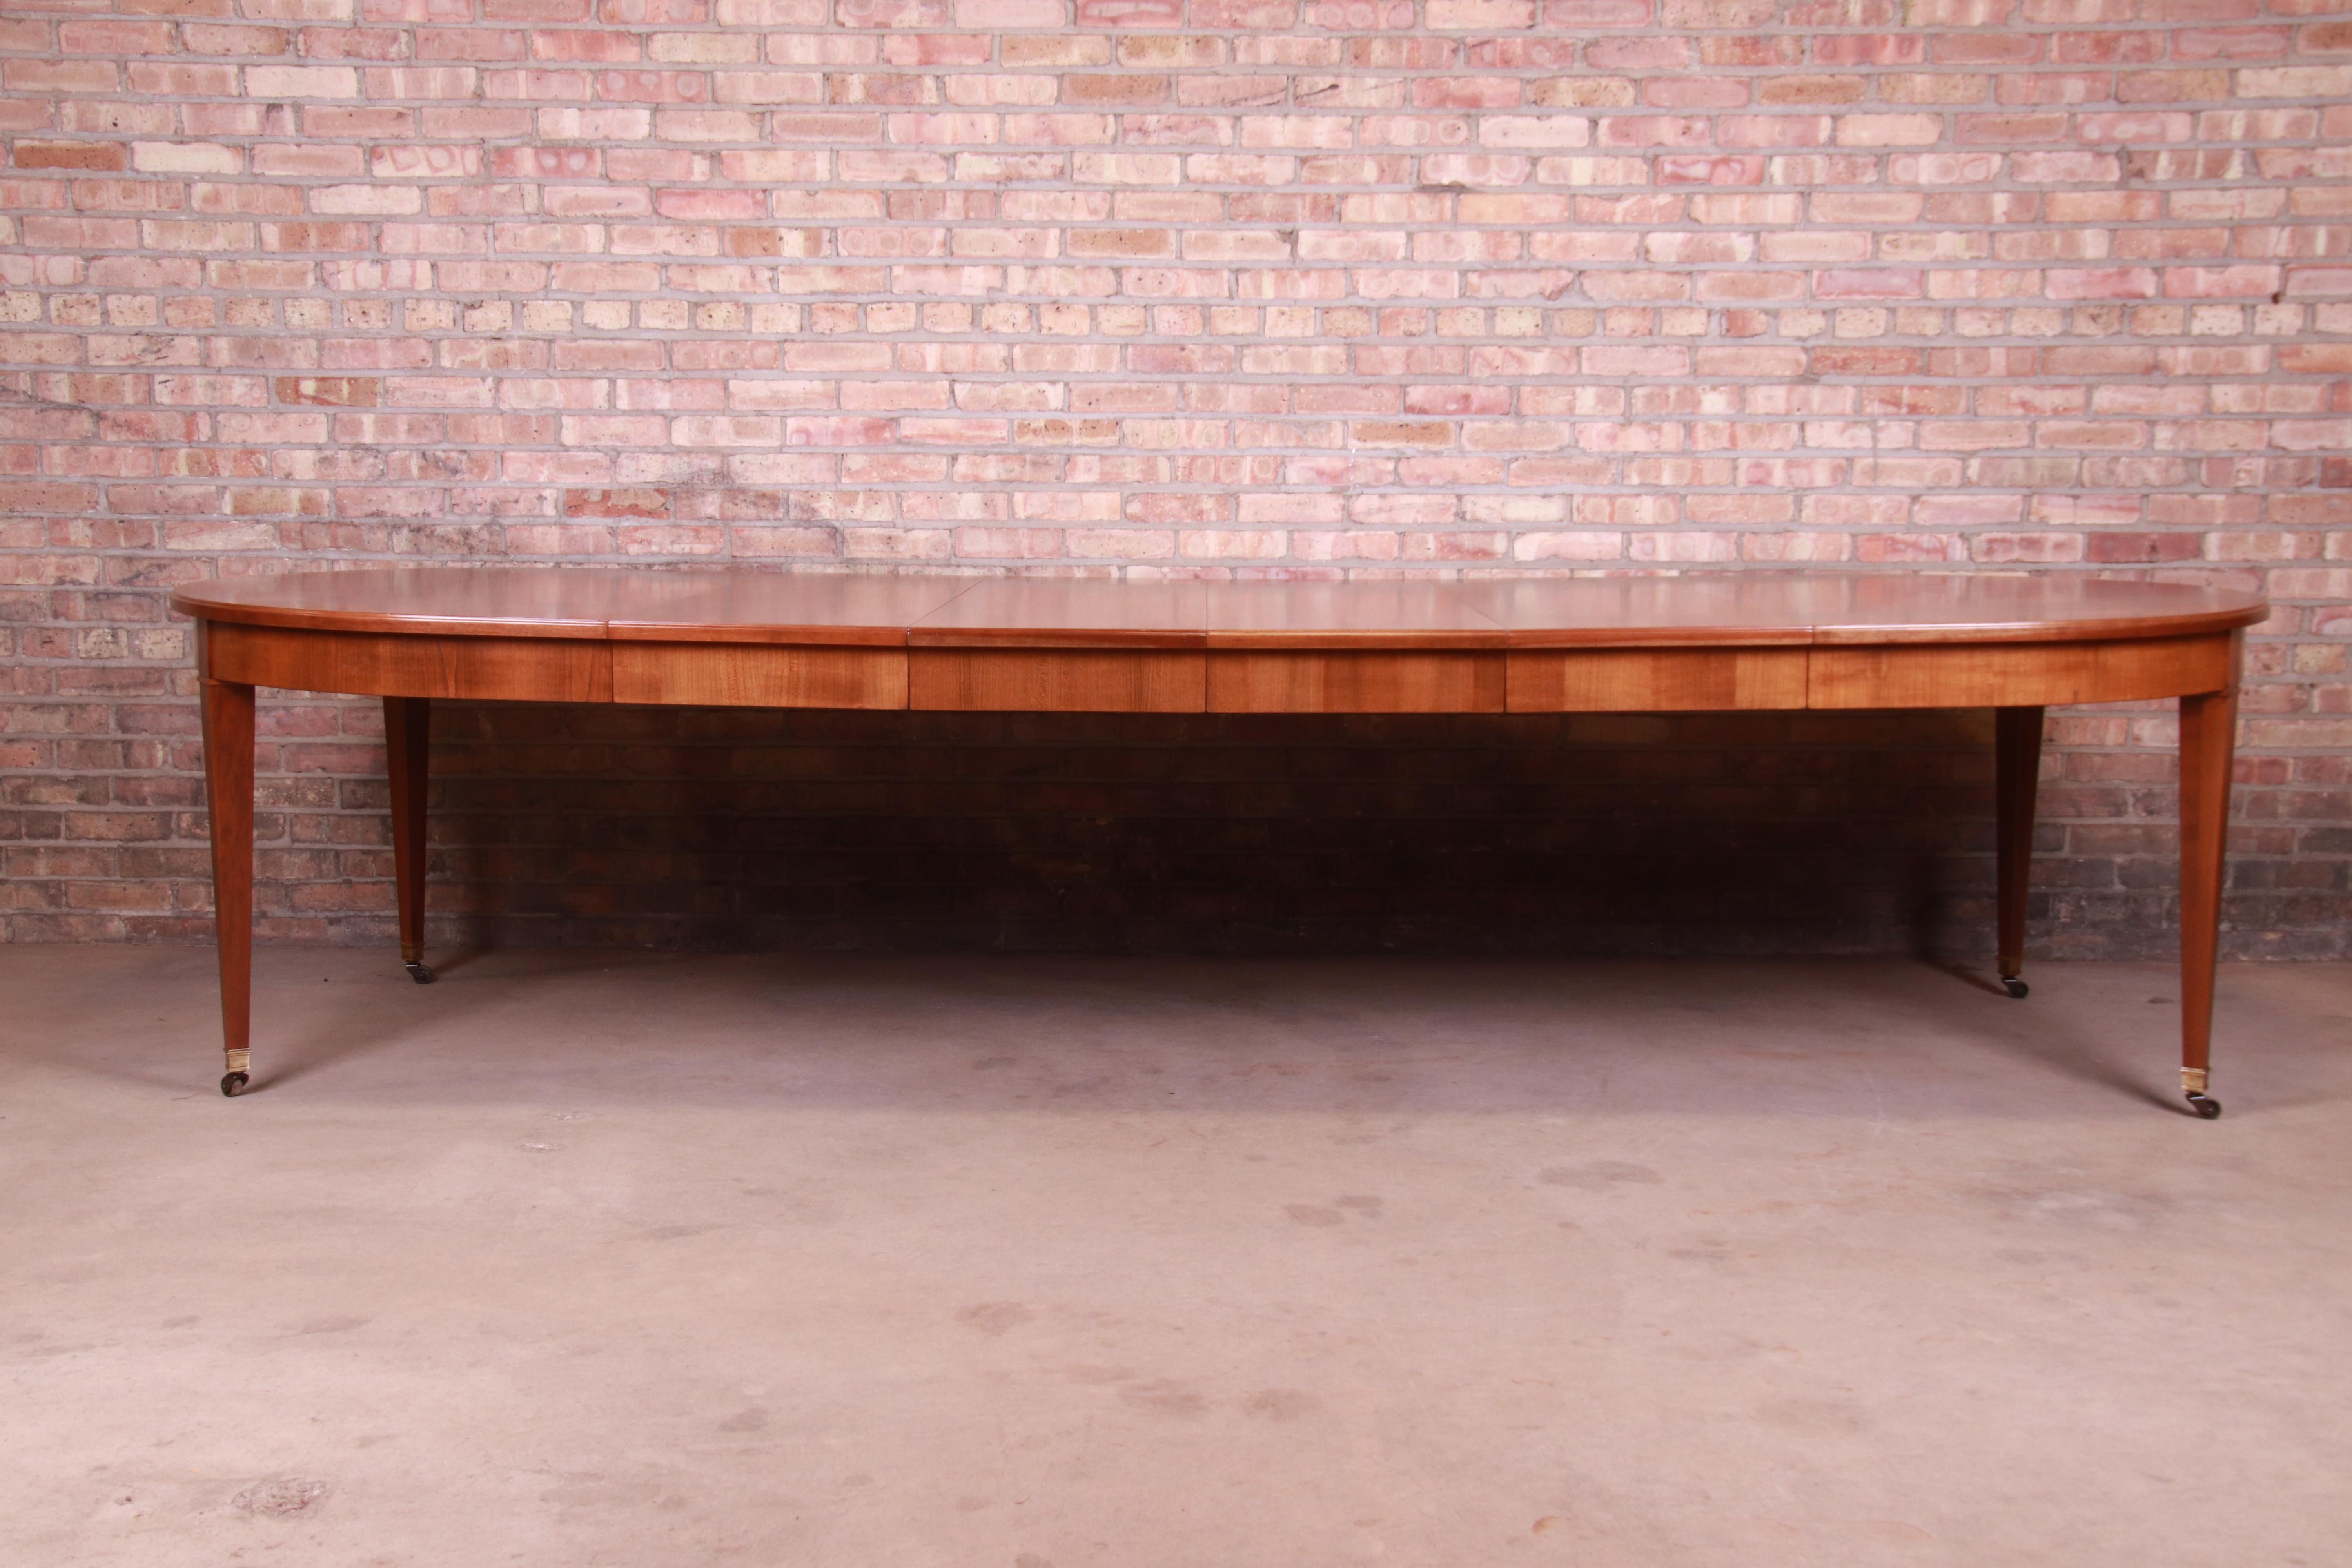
(2205, 1106)
(233, 1084)
(418, 973)
(2014, 986)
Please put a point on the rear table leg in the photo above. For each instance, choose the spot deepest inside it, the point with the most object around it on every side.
(2017, 766)
(407, 733)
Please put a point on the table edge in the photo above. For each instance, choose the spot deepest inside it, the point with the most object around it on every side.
(1330, 640)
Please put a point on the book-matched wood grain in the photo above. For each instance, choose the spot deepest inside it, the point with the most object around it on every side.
(1995, 675)
(1656, 681)
(1373, 682)
(1056, 680)
(746, 675)
(392, 664)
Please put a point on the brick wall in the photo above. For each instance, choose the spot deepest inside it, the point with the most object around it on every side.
(1169, 286)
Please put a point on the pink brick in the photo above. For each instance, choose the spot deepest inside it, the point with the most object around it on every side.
(2221, 282)
(1231, 288)
(978, 14)
(1888, 129)
(301, 81)
(2103, 283)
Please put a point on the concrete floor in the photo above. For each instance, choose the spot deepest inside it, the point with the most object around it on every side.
(658, 1262)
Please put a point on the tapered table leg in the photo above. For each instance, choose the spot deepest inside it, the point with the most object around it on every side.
(228, 796)
(2209, 733)
(2017, 768)
(407, 734)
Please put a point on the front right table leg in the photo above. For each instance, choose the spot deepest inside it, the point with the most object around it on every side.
(2209, 729)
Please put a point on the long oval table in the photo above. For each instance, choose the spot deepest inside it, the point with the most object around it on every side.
(1536, 645)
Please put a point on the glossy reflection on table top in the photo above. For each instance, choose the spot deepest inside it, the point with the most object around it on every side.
(1751, 609)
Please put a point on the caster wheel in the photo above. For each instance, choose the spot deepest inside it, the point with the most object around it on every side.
(2014, 986)
(422, 975)
(233, 1084)
(2206, 1107)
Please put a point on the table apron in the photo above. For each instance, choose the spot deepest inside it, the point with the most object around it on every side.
(1056, 680)
(1655, 680)
(752, 675)
(1166, 680)
(2020, 675)
(397, 664)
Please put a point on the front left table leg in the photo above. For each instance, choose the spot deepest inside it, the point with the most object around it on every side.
(228, 796)
(2209, 731)
(407, 736)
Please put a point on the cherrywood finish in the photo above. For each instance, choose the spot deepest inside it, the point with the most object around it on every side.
(1366, 616)
(1543, 645)
(814, 611)
(1374, 681)
(2208, 727)
(407, 742)
(2016, 772)
(1818, 609)
(1657, 679)
(228, 797)
(1745, 609)
(1143, 680)
(556, 601)
(1989, 675)
(753, 675)
(397, 664)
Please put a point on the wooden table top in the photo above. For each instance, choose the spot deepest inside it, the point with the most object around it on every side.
(939, 610)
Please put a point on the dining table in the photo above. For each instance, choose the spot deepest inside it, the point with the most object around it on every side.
(2016, 643)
